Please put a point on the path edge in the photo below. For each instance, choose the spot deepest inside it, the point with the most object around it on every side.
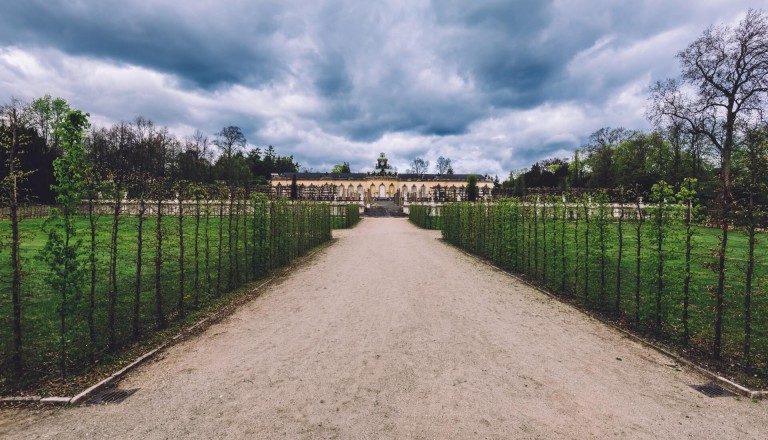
(720, 380)
(211, 319)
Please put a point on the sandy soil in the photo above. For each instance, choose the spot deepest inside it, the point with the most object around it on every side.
(390, 333)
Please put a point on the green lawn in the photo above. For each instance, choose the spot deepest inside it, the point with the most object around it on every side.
(247, 248)
(535, 249)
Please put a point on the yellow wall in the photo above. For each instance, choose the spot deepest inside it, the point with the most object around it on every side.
(371, 186)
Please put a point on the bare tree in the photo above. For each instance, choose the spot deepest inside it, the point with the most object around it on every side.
(442, 165)
(724, 82)
(419, 166)
(607, 137)
(230, 140)
(200, 145)
(193, 162)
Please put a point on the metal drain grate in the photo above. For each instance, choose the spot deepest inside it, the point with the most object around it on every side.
(713, 390)
(111, 396)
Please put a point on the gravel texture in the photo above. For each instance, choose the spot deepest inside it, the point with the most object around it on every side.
(390, 333)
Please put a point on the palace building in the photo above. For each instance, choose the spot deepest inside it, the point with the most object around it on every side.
(380, 184)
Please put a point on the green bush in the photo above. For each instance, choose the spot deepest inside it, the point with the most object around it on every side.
(653, 272)
(426, 216)
(157, 268)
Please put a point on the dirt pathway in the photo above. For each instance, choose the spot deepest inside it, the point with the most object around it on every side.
(390, 333)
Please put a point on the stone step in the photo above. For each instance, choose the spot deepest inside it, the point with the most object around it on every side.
(384, 210)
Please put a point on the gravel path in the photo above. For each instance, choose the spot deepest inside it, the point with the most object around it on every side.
(390, 333)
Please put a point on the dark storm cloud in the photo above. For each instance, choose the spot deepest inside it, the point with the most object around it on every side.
(203, 50)
(501, 45)
(493, 84)
(332, 78)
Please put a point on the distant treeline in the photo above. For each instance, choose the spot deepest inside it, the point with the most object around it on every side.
(634, 160)
(134, 148)
(134, 238)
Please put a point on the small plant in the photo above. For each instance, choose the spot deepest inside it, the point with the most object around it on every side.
(662, 194)
(63, 252)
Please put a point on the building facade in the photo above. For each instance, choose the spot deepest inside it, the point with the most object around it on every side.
(382, 183)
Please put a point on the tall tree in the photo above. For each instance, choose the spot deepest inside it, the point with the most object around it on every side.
(46, 114)
(341, 168)
(724, 82)
(12, 142)
(751, 183)
(576, 171)
(63, 250)
(193, 161)
(442, 165)
(601, 150)
(419, 166)
(472, 190)
(230, 140)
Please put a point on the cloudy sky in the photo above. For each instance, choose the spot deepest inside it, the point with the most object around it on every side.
(493, 85)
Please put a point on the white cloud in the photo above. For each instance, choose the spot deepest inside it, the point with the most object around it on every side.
(338, 81)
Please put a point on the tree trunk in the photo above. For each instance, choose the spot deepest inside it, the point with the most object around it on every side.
(544, 239)
(751, 234)
(237, 241)
(18, 358)
(113, 268)
(196, 282)
(617, 304)
(586, 251)
(724, 226)
(535, 239)
(601, 237)
(137, 279)
(180, 304)
(64, 299)
(563, 263)
(576, 244)
(220, 244)
(159, 313)
(207, 248)
(92, 262)
(638, 247)
(230, 272)
(246, 254)
(687, 279)
(526, 214)
(659, 262)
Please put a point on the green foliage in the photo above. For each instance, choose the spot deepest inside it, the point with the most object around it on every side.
(46, 114)
(520, 186)
(472, 190)
(13, 141)
(345, 216)
(341, 168)
(63, 252)
(263, 164)
(232, 169)
(426, 216)
(276, 233)
(644, 264)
